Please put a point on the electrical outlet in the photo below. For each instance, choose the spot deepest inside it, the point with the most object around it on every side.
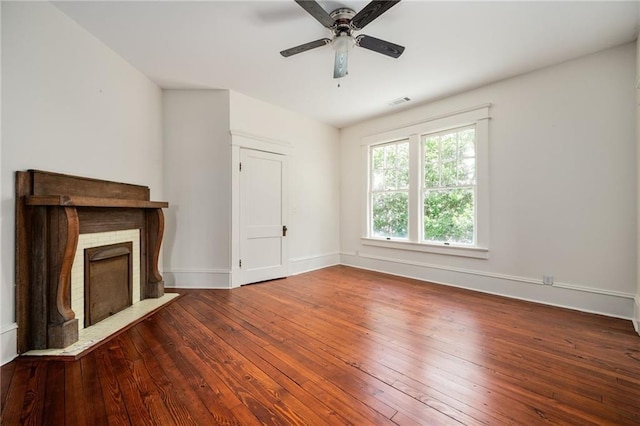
(547, 279)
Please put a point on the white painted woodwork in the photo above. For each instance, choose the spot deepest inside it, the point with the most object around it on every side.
(263, 213)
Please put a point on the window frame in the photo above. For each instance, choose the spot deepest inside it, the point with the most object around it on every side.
(476, 116)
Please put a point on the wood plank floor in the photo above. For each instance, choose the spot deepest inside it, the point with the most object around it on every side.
(341, 346)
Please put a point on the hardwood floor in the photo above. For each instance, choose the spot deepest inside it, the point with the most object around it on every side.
(341, 346)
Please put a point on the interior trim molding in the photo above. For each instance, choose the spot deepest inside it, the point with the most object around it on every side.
(239, 138)
(501, 276)
(481, 112)
(199, 270)
(197, 278)
(314, 256)
(452, 250)
(8, 343)
(8, 328)
(304, 264)
(610, 303)
(636, 314)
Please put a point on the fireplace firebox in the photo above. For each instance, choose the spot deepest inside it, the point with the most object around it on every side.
(108, 281)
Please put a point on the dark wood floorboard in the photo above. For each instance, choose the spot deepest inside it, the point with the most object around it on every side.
(341, 346)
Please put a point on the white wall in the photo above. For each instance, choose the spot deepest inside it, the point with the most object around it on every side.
(198, 128)
(8, 338)
(314, 196)
(562, 188)
(69, 105)
(197, 180)
(636, 312)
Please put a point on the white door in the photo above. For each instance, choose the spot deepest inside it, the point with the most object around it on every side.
(263, 200)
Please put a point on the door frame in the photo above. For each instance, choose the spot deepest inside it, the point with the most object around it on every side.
(246, 140)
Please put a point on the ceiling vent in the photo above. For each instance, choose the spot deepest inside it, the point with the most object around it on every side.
(399, 101)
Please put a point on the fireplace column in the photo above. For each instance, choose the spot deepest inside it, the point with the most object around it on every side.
(63, 230)
(154, 286)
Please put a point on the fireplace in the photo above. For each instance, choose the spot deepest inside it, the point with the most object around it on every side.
(55, 217)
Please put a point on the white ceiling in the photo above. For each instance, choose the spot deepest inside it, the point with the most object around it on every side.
(450, 47)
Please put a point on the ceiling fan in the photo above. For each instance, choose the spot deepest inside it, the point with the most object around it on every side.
(343, 22)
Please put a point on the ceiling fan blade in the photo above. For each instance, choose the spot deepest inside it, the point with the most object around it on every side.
(380, 46)
(371, 12)
(315, 10)
(340, 65)
(304, 47)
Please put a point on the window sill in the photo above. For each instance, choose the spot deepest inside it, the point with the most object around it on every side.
(463, 251)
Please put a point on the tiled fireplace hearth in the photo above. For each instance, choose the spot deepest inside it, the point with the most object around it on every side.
(86, 251)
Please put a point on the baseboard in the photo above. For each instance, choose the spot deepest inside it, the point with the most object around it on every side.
(300, 265)
(197, 278)
(636, 314)
(8, 343)
(565, 295)
(221, 278)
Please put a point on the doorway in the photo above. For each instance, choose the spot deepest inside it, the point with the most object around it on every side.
(263, 195)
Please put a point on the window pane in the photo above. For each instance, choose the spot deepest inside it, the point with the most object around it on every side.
(390, 179)
(403, 179)
(449, 147)
(403, 156)
(377, 180)
(390, 214)
(378, 158)
(449, 215)
(431, 175)
(466, 142)
(467, 171)
(390, 156)
(448, 174)
(431, 149)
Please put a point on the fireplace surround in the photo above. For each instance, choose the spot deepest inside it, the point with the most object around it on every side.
(52, 210)
(89, 243)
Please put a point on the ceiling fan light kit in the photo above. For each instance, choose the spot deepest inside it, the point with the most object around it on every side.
(342, 23)
(341, 44)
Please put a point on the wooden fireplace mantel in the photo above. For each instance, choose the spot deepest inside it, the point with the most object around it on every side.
(74, 201)
(52, 210)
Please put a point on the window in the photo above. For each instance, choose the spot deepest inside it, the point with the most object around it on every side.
(448, 194)
(428, 185)
(390, 190)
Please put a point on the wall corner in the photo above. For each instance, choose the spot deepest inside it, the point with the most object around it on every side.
(8, 343)
(636, 305)
(636, 314)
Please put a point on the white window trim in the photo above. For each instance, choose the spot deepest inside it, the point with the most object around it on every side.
(449, 249)
(478, 116)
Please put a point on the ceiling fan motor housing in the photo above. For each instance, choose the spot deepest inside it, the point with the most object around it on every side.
(342, 18)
